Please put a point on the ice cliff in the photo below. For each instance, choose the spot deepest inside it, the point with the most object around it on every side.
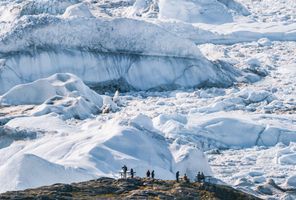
(102, 50)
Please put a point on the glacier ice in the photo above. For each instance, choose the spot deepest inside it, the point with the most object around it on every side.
(30, 171)
(194, 11)
(64, 94)
(37, 92)
(140, 72)
(50, 50)
(100, 50)
(94, 151)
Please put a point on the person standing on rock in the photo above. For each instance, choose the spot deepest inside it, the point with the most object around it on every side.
(202, 177)
(132, 173)
(198, 177)
(152, 174)
(148, 174)
(124, 169)
(177, 176)
(185, 178)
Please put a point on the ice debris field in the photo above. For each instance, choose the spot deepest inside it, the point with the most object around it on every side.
(171, 85)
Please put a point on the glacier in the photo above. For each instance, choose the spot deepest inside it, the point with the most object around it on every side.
(138, 71)
(189, 85)
(100, 151)
(37, 46)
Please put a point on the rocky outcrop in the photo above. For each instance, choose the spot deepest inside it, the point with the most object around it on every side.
(107, 188)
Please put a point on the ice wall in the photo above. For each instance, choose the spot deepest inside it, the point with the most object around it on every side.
(140, 72)
(100, 50)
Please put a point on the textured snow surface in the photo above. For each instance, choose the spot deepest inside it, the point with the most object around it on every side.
(93, 149)
(65, 94)
(209, 86)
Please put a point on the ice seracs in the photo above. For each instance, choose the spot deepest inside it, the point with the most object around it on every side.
(37, 92)
(77, 10)
(13, 10)
(186, 155)
(194, 11)
(64, 94)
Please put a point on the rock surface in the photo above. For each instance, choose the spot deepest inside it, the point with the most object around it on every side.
(107, 188)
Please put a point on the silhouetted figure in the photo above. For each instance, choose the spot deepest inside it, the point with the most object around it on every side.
(148, 174)
(152, 174)
(198, 177)
(124, 169)
(185, 178)
(202, 177)
(177, 176)
(132, 173)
